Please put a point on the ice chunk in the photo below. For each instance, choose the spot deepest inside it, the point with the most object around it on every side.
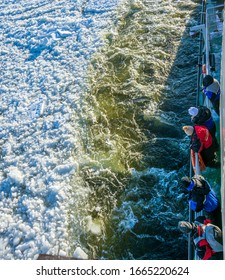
(80, 254)
(15, 175)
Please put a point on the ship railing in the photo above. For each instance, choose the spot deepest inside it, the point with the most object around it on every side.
(211, 22)
(214, 27)
(222, 135)
(202, 39)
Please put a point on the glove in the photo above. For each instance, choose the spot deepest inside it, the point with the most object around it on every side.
(196, 145)
(184, 184)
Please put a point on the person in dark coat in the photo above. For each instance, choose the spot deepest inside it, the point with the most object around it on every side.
(206, 238)
(201, 115)
(203, 144)
(202, 197)
(211, 89)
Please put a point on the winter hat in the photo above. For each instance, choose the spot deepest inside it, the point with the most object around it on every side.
(185, 227)
(198, 180)
(207, 81)
(193, 111)
(188, 129)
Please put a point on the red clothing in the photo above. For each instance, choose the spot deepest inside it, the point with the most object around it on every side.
(208, 250)
(204, 243)
(204, 136)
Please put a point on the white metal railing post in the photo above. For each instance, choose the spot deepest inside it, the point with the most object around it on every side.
(197, 172)
(207, 102)
(197, 167)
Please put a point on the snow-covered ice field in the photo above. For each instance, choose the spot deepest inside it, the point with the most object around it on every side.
(45, 47)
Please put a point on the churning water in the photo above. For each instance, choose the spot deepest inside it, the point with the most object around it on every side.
(140, 85)
(92, 158)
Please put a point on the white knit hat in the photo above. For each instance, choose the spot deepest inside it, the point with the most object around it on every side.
(193, 111)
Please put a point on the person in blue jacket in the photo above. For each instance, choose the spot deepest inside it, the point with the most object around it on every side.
(211, 89)
(202, 197)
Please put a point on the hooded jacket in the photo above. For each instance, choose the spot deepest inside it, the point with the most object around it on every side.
(207, 239)
(201, 138)
(204, 117)
(201, 196)
(213, 90)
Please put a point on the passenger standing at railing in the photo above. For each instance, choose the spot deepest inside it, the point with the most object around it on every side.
(203, 144)
(211, 88)
(201, 115)
(206, 236)
(201, 197)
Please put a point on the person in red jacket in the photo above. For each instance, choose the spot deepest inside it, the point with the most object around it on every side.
(202, 143)
(206, 237)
